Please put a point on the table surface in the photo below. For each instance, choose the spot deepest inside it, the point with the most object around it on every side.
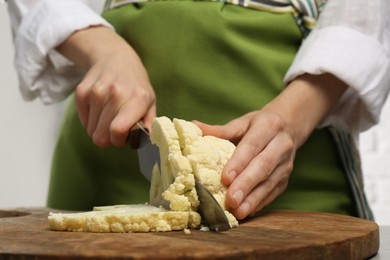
(384, 249)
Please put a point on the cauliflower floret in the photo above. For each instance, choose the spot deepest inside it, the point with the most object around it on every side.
(176, 178)
(165, 137)
(207, 156)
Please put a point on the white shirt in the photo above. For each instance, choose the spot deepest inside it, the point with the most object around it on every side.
(38, 27)
(351, 41)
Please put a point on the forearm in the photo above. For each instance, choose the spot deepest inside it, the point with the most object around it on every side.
(86, 47)
(350, 41)
(305, 102)
(41, 71)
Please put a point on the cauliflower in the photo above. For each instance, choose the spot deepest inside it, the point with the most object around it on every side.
(208, 156)
(185, 154)
(202, 157)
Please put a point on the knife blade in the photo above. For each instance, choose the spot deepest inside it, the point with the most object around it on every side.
(211, 212)
(148, 153)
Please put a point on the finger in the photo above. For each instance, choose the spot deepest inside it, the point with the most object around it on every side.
(259, 169)
(264, 193)
(129, 113)
(82, 104)
(215, 130)
(116, 95)
(122, 123)
(232, 131)
(98, 97)
(149, 116)
(101, 135)
(249, 147)
(262, 166)
(258, 136)
(279, 189)
(229, 132)
(82, 94)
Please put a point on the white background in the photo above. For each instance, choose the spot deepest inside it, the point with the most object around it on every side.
(28, 132)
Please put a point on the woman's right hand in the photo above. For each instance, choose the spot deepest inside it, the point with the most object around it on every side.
(115, 92)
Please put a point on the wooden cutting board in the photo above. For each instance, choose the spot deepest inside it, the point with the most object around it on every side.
(24, 233)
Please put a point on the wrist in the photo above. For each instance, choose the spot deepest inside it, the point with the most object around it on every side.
(305, 102)
(89, 46)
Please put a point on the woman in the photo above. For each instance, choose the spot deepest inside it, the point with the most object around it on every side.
(239, 67)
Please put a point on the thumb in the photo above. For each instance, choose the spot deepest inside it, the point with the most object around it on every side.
(207, 129)
(228, 131)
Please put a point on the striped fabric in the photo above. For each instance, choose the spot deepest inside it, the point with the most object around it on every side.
(350, 159)
(306, 12)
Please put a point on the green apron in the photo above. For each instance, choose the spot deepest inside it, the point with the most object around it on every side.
(208, 61)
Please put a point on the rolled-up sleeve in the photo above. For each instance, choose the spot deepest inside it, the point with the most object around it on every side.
(352, 42)
(38, 27)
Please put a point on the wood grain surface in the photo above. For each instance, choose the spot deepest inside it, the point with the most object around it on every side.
(24, 234)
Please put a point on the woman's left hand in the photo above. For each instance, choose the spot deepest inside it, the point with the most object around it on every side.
(267, 141)
(260, 167)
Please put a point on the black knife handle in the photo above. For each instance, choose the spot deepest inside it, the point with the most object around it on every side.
(135, 134)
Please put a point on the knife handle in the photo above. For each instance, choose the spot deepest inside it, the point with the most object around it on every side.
(135, 134)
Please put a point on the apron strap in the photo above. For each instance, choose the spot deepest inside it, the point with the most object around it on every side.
(352, 165)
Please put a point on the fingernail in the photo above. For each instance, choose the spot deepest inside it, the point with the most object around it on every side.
(238, 195)
(244, 208)
(231, 175)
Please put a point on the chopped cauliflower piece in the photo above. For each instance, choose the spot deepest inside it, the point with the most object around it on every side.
(124, 218)
(179, 191)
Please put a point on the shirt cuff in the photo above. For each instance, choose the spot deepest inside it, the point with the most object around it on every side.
(41, 70)
(358, 60)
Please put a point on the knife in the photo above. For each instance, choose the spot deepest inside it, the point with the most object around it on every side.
(148, 153)
(212, 213)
